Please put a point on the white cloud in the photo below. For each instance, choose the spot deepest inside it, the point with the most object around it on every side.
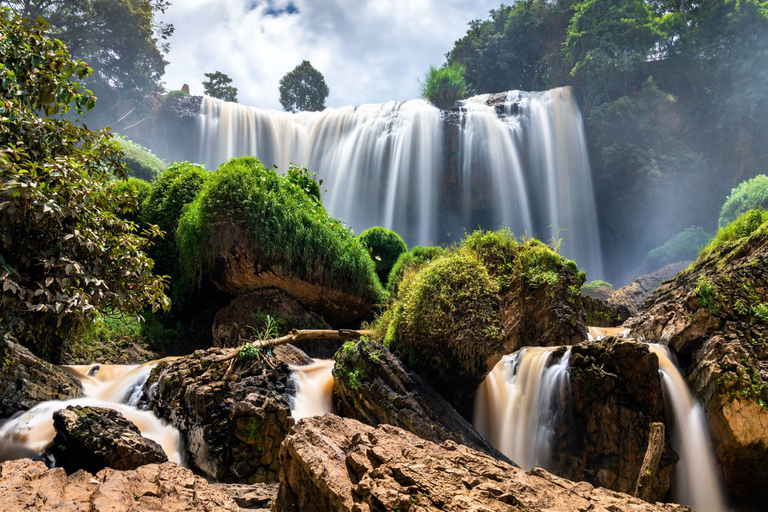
(370, 51)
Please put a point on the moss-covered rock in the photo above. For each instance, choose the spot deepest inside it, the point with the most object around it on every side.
(597, 289)
(411, 261)
(139, 162)
(385, 247)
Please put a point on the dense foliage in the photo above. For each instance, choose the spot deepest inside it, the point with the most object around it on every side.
(385, 247)
(444, 86)
(290, 228)
(132, 187)
(140, 162)
(65, 254)
(748, 195)
(303, 89)
(681, 247)
(744, 225)
(218, 86)
(411, 261)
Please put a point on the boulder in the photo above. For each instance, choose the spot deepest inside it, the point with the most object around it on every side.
(233, 413)
(94, 438)
(634, 294)
(256, 497)
(26, 380)
(335, 464)
(373, 386)
(615, 396)
(27, 485)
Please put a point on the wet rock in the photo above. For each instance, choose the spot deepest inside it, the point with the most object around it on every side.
(335, 464)
(27, 485)
(603, 314)
(26, 380)
(615, 396)
(94, 438)
(234, 414)
(634, 294)
(373, 386)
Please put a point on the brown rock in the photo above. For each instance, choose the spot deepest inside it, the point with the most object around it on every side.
(335, 464)
(634, 294)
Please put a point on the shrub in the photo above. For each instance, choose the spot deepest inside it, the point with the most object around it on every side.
(683, 246)
(444, 86)
(134, 187)
(748, 195)
(139, 161)
(597, 288)
(385, 247)
(176, 93)
(744, 225)
(305, 180)
(706, 294)
(411, 261)
(290, 228)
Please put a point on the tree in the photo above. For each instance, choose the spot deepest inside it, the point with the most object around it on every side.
(303, 89)
(64, 253)
(217, 86)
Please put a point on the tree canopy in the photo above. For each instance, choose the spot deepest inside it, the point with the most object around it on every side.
(303, 89)
(217, 86)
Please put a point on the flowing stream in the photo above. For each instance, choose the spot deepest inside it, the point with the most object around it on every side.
(430, 174)
(314, 389)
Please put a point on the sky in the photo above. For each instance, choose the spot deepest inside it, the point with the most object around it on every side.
(370, 51)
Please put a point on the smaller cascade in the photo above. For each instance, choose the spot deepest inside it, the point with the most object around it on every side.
(517, 404)
(697, 483)
(314, 389)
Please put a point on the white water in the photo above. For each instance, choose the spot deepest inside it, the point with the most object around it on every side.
(314, 389)
(390, 165)
(697, 483)
(517, 403)
(111, 387)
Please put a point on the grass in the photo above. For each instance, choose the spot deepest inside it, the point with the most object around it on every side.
(139, 161)
(444, 86)
(744, 225)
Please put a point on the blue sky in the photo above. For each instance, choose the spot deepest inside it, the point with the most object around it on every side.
(370, 51)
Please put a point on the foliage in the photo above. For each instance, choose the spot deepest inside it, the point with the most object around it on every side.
(132, 187)
(303, 89)
(139, 161)
(411, 261)
(444, 86)
(744, 225)
(290, 228)
(176, 93)
(385, 247)
(57, 195)
(706, 294)
(596, 287)
(498, 252)
(748, 195)
(217, 86)
(683, 246)
(305, 180)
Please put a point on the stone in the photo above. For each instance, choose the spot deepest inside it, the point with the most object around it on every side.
(27, 485)
(604, 314)
(634, 294)
(250, 497)
(94, 438)
(185, 88)
(338, 464)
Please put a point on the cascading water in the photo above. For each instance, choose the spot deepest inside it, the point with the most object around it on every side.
(430, 174)
(314, 389)
(111, 387)
(697, 483)
(516, 405)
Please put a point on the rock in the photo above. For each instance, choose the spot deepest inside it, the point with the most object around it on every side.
(27, 485)
(634, 294)
(26, 380)
(373, 386)
(603, 314)
(335, 464)
(94, 438)
(615, 396)
(234, 414)
(245, 317)
(185, 88)
(715, 317)
(250, 497)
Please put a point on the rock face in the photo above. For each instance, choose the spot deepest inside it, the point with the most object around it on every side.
(615, 396)
(603, 314)
(234, 414)
(373, 386)
(94, 438)
(634, 294)
(334, 464)
(27, 486)
(715, 317)
(250, 497)
(26, 380)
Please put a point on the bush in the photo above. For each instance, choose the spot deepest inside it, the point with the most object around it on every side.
(134, 187)
(411, 261)
(176, 93)
(744, 225)
(139, 161)
(683, 246)
(748, 195)
(305, 180)
(290, 228)
(597, 288)
(385, 247)
(444, 86)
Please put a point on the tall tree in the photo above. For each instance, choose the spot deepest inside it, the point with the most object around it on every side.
(303, 89)
(217, 86)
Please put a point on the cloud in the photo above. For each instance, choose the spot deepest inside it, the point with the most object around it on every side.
(370, 51)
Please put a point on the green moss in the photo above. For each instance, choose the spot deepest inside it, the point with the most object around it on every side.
(498, 252)
(172, 95)
(597, 286)
(385, 247)
(539, 264)
(139, 161)
(249, 429)
(749, 195)
(683, 246)
(411, 261)
(290, 228)
(744, 225)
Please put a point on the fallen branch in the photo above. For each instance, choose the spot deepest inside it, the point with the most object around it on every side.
(298, 335)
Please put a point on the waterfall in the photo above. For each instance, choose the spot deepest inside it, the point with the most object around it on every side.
(431, 175)
(108, 386)
(517, 404)
(314, 389)
(697, 483)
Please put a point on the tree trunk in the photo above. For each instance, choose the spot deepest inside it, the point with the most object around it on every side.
(650, 462)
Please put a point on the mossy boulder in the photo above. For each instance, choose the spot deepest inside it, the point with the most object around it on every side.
(252, 228)
(139, 162)
(385, 247)
(411, 261)
(597, 289)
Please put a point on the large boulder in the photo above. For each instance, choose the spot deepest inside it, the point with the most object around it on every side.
(334, 464)
(633, 295)
(27, 485)
(94, 438)
(373, 386)
(26, 380)
(602, 436)
(234, 413)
